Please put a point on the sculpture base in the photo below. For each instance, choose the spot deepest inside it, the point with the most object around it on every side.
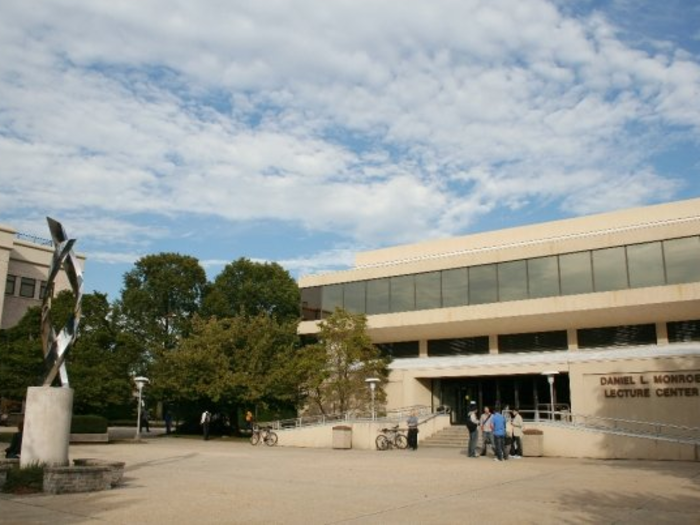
(47, 422)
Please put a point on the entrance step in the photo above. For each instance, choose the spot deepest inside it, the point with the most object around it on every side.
(450, 437)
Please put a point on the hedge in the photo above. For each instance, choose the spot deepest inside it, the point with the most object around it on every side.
(88, 425)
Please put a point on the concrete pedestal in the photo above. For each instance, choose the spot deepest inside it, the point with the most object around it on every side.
(47, 421)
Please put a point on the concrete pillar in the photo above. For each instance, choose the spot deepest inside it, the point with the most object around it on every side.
(493, 344)
(47, 422)
(661, 334)
(423, 348)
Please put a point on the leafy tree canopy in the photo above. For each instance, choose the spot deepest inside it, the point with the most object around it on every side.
(160, 297)
(334, 370)
(251, 288)
(229, 362)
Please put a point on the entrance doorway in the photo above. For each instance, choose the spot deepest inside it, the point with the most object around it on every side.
(528, 392)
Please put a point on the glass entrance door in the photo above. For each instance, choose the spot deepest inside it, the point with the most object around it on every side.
(523, 391)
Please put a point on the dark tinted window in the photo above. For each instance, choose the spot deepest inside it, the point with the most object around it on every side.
(10, 284)
(455, 287)
(27, 287)
(399, 350)
(311, 303)
(464, 346)
(533, 342)
(482, 284)
(632, 335)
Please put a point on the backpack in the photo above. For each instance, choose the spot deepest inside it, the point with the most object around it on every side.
(471, 426)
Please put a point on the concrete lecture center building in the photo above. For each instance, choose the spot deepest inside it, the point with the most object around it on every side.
(24, 268)
(596, 316)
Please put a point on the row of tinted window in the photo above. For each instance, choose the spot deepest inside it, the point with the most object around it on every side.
(650, 264)
(588, 338)
(26, 286)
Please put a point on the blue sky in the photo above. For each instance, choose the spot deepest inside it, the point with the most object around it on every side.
(304, 131)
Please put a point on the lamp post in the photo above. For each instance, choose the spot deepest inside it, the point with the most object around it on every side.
(550, 379)
(372, 382)
(140, 383)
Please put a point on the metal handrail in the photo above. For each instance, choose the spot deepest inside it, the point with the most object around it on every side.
(396, 414)
(649, 429)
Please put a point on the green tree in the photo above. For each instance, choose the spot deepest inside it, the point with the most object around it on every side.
(226, 363)
(99, 365)
(160, 297)
(335, 368)
(102, 361)
(21, 356)
(248, 287)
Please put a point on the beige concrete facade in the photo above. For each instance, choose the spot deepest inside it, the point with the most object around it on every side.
(658, 381)
(24, 259)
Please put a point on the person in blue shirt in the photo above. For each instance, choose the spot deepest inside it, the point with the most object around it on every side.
(499, 434)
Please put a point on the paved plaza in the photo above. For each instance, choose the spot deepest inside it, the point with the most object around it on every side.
(178, 480)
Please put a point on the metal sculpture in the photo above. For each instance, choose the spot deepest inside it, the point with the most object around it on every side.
(56, 345)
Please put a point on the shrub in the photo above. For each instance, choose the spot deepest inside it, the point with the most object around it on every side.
(532, 432)
(88, 425)
(26, 480)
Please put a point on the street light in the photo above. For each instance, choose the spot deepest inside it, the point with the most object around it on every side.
(140, 383)
(550, 379)
(372, 382)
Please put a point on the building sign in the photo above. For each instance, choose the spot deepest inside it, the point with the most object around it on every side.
(651, 384)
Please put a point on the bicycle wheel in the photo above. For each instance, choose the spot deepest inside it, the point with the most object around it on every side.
(382, 442)
(401, 441)
(255, 438)
(271, 439)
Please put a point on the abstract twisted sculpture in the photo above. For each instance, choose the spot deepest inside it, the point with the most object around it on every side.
(56, 346)
(49, 410)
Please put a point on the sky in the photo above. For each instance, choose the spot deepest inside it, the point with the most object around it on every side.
(304, 131)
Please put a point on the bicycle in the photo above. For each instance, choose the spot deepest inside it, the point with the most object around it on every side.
(391, 438)
(263, 435)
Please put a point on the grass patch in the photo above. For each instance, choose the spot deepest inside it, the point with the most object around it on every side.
(26, 480)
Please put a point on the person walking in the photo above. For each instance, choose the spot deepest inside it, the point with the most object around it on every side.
(517, 445)
(412, 423)
(144, 420)
(168, 418)
(249, 421)
(472, 428)
(499, 435)
(486, 425)
(205, 421)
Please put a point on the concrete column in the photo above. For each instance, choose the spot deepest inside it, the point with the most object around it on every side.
(423, 348)
(572, 339)
(493, 344)
(661, 334)
(47, 422)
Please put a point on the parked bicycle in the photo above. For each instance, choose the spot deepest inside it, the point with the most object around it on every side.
(391, 438)
(263, 435)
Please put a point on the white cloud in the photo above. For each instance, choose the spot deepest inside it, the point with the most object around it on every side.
(385, 121)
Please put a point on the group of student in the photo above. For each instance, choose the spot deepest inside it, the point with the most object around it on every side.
(503, 430)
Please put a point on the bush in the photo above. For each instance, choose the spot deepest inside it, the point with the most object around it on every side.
(88, 425)
(532, 432)
(27, 480)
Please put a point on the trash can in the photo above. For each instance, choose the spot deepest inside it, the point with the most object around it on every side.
(342, 436)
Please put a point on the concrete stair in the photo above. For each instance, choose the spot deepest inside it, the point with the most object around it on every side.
(450, 437)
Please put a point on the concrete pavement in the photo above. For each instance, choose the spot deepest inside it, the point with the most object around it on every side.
(179, 480)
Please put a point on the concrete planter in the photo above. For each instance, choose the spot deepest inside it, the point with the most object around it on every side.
(342, 437)
(533, 444)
